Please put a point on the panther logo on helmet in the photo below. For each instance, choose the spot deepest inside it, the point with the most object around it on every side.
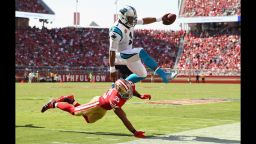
(124, 88)
(128, 16)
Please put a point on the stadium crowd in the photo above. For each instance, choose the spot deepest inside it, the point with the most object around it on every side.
(162, 45)
(33, 6)
(214, 50)
(83, 47)
(211, 8)
(88, 47)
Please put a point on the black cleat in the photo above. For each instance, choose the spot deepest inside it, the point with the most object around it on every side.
(49, 105)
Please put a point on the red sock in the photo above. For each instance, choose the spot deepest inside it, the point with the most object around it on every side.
(76, 104)
(66, 107)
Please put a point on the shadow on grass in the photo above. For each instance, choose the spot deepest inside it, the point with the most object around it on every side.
(28, 126)
(97, 133)
(184, 138)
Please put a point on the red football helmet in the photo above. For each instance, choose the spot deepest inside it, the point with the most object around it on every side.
(124, 88)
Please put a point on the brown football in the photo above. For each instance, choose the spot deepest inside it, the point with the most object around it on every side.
(169, 19)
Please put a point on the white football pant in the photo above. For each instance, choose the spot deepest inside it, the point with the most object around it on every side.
(133, 63)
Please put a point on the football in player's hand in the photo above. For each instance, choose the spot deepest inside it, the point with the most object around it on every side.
(168, 18)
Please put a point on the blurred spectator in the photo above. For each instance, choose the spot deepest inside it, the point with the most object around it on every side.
(211, 8)
(213, 50)
(37, 76)
(84, 47)
(30, 77)
(33, 6)
(203, 78)
(80, 48)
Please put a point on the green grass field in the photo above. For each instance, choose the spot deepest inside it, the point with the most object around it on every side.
(59, 127)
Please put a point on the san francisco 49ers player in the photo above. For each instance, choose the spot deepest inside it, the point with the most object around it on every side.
(114, 99)
(121, 50)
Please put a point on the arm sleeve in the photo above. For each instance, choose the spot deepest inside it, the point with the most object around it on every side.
(121, 114)
(115, 35)
(140, 22)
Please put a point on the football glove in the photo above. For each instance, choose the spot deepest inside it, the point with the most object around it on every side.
(145, 96)
(139, 134)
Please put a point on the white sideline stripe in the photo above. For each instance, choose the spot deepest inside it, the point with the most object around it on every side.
(85, 106)
(228, 134)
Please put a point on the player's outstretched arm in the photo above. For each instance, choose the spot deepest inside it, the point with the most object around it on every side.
(166, 19)
(149, 20)
(143, 96)
(121, 114)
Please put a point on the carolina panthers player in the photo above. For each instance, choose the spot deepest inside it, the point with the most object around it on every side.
(121, 50)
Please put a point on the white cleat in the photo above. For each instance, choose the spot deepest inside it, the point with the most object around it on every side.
(172, 74)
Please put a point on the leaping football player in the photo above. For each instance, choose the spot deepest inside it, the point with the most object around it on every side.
(114, 99)
(120, 49)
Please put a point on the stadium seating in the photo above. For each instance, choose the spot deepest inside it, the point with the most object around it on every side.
(212, 50)
(84, 47)
(34, 6)
(211, 8)
(78, 48)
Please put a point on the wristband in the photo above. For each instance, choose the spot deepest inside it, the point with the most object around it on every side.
(112, 69)
(158, 19)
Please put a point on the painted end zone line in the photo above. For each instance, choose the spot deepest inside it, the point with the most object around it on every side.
(223, 134)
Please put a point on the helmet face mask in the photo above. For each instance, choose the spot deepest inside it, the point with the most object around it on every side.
(124, 88)
(128, 16)
(132, 20)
